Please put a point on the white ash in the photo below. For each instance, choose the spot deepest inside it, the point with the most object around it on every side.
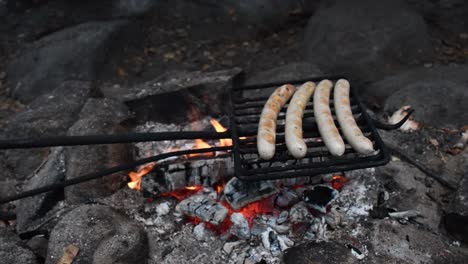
(358, 254)
(300, 214)
(283, 217)
(204, 208)
(270, 241)
(201, 232)
(286, 198)
(317, 231)
(358, 195)
(282, 228)
(163, 209)
(151, 148)
(405, 214)
(240, 226)
(230, 246)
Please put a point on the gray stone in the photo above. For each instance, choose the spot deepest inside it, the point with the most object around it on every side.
(48, 115)
(437, 94)
(171, 82)
(101, 234)
(236, 16)
(262, 14)
(417, 147)
(132, 8)
(31, 209)
(38, 244)
(297, 70)
(319, 253)
(366, 40)
(12, 250)
(72, 54)
(415, 245)
(407, 185)
(448, 15)
(98, 116)
(152, 100)
(456, 216)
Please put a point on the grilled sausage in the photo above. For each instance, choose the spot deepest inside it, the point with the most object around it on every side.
(266, 137)
(293, 131)
(323, 116)
(349, 128)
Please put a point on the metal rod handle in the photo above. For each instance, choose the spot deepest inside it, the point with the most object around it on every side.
(108, 139)
(108, 171)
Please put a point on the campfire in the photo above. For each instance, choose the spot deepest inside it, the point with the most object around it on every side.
(206, 181)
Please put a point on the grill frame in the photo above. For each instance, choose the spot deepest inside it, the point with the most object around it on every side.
(310, 168)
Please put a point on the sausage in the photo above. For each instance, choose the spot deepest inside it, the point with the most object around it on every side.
(266, 137)
(293, 131)
(323, 116)
(348, 125)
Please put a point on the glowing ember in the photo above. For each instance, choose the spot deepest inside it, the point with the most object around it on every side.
(338, 181)
(264, 206)
(219, 128)
(184, 193)
(135, 177)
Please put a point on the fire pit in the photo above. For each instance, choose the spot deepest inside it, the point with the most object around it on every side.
(216, 181)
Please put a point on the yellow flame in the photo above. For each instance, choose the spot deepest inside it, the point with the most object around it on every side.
(135, 177)
(219, 128)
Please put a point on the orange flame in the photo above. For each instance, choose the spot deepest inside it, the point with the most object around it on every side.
(135, 177)
(219, 128)
(199, 144)
(203, 144)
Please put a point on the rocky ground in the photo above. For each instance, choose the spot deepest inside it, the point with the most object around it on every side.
(66, 66)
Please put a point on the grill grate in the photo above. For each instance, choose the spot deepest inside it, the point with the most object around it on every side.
(244, 124)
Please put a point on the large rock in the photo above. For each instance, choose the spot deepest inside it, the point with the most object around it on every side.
(101, 234)
(176, 93)
(437, 94)
(392, 242)
(32, 209)
(366, 39)
(12, 250)
(448, 15)
(292, 71)
(417, 147)
(98, 116)
(48, 115)
(71, 54)
(456, 218)
(407, 184)
(319, 253)
(229, 18)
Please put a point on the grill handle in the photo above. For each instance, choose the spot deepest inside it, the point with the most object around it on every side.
(25, 143)
(385, 126)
